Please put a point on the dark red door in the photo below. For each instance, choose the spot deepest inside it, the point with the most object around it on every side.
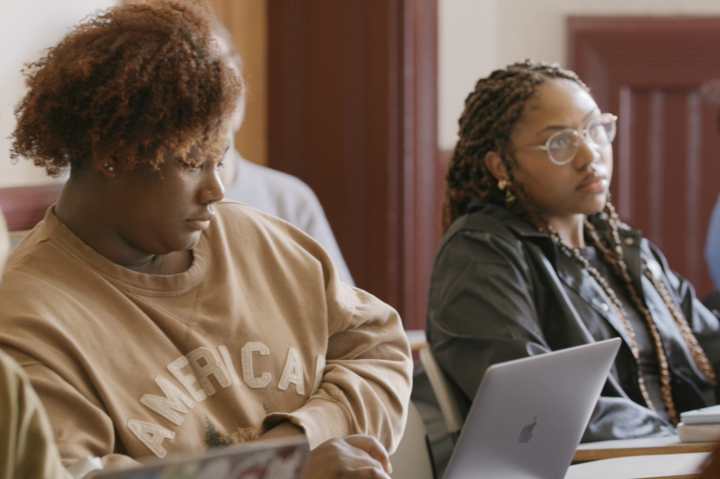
(649, 71)
(351, 111)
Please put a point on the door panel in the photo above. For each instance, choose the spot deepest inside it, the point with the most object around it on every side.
(351, 111)
(667, 175)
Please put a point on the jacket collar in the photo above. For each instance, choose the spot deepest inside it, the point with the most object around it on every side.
(630, 239)
(567, 269)
(516, 223)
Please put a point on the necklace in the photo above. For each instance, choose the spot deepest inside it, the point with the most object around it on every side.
(653, 272)
(665, 387)
(701, 360)
(614, 257)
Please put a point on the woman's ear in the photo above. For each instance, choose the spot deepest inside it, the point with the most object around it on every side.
(495, 165)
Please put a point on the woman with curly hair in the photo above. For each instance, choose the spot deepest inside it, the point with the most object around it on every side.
(535, 259)
(153, 318)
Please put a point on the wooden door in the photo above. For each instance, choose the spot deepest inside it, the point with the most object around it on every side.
(352, 112)
(649, 71)
(246, 20)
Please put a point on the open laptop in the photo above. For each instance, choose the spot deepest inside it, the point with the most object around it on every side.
(530, 414)
(277, 459)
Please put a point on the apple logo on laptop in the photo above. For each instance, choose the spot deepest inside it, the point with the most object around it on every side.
(526, 433)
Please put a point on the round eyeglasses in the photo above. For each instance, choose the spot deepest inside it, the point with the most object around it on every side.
(562, 147)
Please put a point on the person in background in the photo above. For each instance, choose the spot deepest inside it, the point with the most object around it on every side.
(712, 246)
(535, 259)
(710, 92)
(27, 449)
(272, 191)
(153, 318)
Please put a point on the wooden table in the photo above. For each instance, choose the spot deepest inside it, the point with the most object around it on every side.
(593, 451)
(669, 466)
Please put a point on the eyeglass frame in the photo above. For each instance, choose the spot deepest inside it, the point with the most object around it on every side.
(580, 134)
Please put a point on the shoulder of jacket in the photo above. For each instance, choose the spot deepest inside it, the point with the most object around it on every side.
(479, 222)
(482, 232)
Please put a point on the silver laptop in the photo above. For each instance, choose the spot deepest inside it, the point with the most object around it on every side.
(277, 459)
(529, 414)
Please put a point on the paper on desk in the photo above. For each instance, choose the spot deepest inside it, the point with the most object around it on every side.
(706, 415)
(640, 467)
(639, 442)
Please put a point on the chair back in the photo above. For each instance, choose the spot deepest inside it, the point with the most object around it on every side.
(4, 241)
(25, 206)
(15, 237)
(411, 460)
(444, 394)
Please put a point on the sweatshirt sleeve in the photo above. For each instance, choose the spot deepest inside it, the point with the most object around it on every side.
(366, 382)
(80, 427)
(26, 442)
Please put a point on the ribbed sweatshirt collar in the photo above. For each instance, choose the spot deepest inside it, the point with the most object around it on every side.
(122, 277)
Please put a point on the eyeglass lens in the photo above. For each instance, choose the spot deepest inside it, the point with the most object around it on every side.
(563, 145)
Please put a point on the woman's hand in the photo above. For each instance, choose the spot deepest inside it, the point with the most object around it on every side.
(351, 457)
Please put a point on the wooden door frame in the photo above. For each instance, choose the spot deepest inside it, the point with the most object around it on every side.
(383, 136)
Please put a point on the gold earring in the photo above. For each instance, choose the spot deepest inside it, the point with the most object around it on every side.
(504, 185)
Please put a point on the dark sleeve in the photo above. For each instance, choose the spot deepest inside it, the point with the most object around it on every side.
(705, 325)
(482, 310)
(622, 418)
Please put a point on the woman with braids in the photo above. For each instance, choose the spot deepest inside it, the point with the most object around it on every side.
(151, 317)
(535, 259)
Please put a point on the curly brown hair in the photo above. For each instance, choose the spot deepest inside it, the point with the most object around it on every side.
(132, 83)
(491, 112)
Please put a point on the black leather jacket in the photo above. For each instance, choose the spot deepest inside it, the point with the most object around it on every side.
(501, 290)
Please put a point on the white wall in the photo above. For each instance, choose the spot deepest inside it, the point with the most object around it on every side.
(26, 28)
(477, 36)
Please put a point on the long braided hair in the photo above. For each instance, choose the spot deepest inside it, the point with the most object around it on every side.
(491, 112)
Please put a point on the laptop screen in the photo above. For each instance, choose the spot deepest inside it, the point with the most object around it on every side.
(277, 459)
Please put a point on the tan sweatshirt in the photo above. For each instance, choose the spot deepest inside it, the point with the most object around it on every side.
(258, 330)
